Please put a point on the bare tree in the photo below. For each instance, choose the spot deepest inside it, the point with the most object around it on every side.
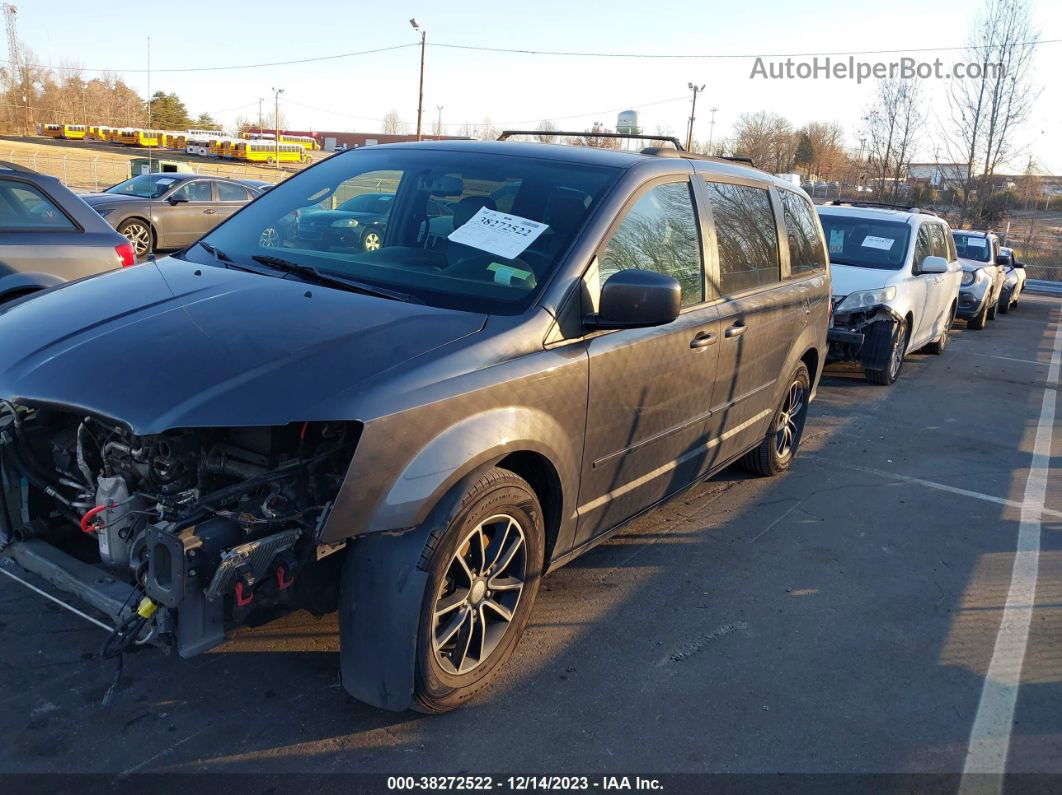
(593, 138)
(892, 122)
(826, 140)
(392, 123)
(986, 110)
(487, 131)
(546, 126)
(767, 138)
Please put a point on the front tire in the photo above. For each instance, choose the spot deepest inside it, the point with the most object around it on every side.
(980, 321)
(896, 350)
(775, 453)
(484, 570)
(371, 241)
(994, 309)
(1004, 302)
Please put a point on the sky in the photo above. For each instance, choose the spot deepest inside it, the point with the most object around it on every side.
(517, 90)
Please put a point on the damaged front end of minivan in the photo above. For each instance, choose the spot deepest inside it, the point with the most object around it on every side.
(174, 536)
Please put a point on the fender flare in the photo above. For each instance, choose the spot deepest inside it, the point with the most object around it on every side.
(462, 449)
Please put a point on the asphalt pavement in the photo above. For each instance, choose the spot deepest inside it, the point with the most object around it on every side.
(840, 618)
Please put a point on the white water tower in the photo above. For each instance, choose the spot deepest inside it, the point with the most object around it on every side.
(627, 123)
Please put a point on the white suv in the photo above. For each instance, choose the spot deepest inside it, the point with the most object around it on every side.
(895, 284)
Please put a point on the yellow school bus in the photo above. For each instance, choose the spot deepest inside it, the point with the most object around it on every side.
(52, 130)
(178, 142)
(138, 137)
(305, 141)
(270, 152)
(74, 132)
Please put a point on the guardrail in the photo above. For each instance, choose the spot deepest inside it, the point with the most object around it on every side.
(1041, 286)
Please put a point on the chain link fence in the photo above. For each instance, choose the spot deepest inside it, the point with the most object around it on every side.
(97, 173)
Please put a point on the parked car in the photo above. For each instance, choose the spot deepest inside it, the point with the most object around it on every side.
(412, 434)
(982, 279)
(1014, 278)
(895, 284)
(167, 211)
(48, 235)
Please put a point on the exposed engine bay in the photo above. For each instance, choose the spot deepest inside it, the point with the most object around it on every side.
(206, 528)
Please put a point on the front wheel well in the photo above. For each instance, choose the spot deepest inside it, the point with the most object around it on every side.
(542, 476)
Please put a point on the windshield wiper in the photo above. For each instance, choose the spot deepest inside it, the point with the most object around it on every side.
(334, 279)
(225, 259)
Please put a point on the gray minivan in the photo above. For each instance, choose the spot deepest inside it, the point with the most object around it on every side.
(416, 434)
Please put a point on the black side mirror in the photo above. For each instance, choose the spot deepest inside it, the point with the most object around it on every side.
(1003, 259)
(1019, 264)
(637, 299)
(177, 198)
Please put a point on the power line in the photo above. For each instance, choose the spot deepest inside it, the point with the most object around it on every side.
(723, 56)
(558, 53)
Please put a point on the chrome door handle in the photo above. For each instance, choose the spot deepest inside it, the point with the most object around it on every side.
(209, 211)
(735, 330)
(703, 340)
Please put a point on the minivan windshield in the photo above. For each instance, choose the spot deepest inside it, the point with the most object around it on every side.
(466, 230)
(975, 247)
(865, 242)
(146, 186)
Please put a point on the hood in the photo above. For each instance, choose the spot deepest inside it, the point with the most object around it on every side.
(972, 264)
(848, 279)
(173, 344)
(99, 199)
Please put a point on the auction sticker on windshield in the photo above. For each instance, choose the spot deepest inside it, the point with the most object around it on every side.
(884, 243)
(498, 233)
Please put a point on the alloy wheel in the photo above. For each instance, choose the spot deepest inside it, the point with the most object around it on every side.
(480, 591)
(270, 238)
(372, 241)
(139, 236)
(787, 428)
(896, 357)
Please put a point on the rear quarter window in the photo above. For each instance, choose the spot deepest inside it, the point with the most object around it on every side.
(807, 252)
(23, 207)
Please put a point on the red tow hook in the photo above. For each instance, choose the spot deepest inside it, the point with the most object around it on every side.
(284, 581)
(243, 599)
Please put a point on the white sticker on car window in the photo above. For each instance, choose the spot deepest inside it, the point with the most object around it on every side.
(884, 243)
(497, 233)
(976, 242)
(165, 181)
(836, 241)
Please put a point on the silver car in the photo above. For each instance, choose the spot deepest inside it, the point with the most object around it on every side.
(1013, 280)
(982, 278)
(169, 211)
(48, 235)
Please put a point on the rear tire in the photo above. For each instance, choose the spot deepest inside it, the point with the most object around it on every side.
(937, 346)
(776, 451)
(484, 569)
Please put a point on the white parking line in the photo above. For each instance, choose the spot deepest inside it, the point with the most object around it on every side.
(896, 477)
(990, 736)
(1007, 358)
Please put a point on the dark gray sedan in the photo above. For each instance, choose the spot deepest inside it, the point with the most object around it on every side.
(49, 236)
(170, 211)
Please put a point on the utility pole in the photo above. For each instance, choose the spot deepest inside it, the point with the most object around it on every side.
(276, 121)
(260, 122)
(420, 100)
(14, 55)
(711, 130)
(149, 99)
(438, 121)
(693, 113)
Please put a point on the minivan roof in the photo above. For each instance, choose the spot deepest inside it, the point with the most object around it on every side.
(872, 212)
(588, 155)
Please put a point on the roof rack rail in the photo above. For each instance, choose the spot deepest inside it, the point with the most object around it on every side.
(887, 205)
(667, 151)
(560, 133)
